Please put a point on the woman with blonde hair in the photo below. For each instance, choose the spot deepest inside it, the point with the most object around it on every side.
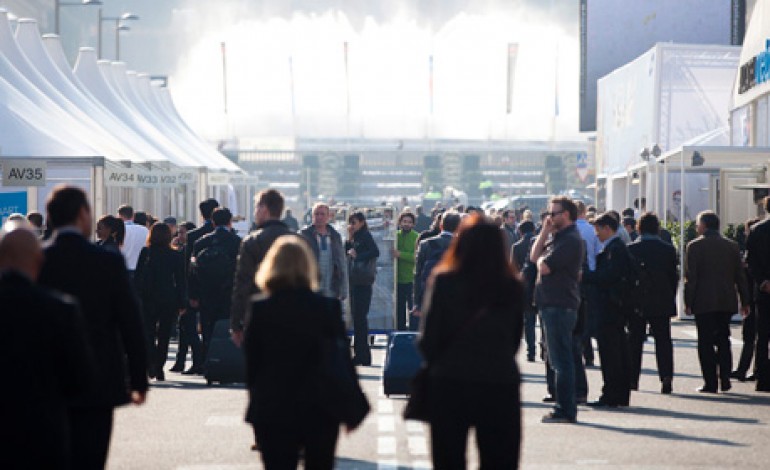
(284, 344)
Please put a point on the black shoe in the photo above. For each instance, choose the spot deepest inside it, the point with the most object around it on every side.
(554, 417)
(705, 389)
(634, 387)
(751, 378)
(666, 386)
(581, 400)
(589, 363)
(530, 358)
(160, 377)
(194, 370)
(549, 398)
(739, 376)
(602, 403)
(726, 385)
(358, 362)
(178, 367)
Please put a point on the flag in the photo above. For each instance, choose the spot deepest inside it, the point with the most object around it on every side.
(556, 85)
(513, 53)
(224, 75)
(347, 80)
(430, 82)
(291, 85)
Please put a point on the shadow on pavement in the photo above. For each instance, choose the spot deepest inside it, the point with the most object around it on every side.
(170, 384)
(641, 410)
(729, 398)
(661, 434)
(343, 463)
(369, 377)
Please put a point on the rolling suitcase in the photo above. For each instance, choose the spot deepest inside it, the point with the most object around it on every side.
(402, 361)
(224, 362)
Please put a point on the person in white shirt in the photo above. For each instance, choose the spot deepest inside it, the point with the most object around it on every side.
(135, 239)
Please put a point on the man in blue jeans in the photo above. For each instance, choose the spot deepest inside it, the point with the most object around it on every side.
(559, 253)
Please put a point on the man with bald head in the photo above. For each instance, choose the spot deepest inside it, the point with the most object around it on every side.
(55, 367)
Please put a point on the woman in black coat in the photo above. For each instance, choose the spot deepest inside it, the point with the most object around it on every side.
(284, 344)
(361, 249)
(110, 231)
(471, 331)
(160, 282)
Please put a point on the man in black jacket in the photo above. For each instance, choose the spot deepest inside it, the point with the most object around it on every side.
(269, 206)
(188, 321)
(613, 266)
(519, 254)
(758, 248)
(658, 281)
(429, 253)
(212, 272)
(99, 281)
(55, 367)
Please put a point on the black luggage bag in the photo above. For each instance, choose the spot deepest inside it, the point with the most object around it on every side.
(224, 362)
(402, 361)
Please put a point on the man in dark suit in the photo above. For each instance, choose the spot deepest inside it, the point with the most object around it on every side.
(188, 321)
(46, 372)
(658, 301)
(211, 282)
(99, 281)
(423, 221)
(429, 253)
(713, 273)
(519, 255)
(758, 248)
(613, 265)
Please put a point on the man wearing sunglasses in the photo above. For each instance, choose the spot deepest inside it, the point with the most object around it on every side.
(559, 253)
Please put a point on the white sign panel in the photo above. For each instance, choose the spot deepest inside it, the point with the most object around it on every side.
(120, 178)
(24, 172)
(216, 179)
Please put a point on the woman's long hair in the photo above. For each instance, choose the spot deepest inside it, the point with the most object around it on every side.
(116, 226)
(288, 264)
(477, 254)
(159, 236)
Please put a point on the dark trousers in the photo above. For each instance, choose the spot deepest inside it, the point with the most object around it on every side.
(280, 444)
(492, 409)
(762, 360)
(90, 431)
(360, 299)
(613, 354)
(664, 349)
(749, 336)
(530, 318)
(404, 304)
(716, 359)
(158, 320)
(189, 339)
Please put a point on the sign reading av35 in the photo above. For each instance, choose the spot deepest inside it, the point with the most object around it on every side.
(23, 172)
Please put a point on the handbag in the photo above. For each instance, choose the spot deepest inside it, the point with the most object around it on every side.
(341, 394)
(363, 273)
(418, 406)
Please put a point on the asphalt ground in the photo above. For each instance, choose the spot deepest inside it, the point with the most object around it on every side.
(188, 425)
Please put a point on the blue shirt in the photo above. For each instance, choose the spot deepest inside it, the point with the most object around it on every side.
(593, 245)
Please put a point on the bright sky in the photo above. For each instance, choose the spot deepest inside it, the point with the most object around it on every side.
(388, 76)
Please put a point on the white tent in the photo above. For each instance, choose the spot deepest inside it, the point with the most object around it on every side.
(63, 112)
(28, 37)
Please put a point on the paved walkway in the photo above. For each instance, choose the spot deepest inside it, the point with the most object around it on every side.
(186, 425)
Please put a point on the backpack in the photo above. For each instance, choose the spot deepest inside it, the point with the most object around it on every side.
(635, 287)
(436, 252)
(215, 267)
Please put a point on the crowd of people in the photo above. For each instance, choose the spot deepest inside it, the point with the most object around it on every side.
(474, 283)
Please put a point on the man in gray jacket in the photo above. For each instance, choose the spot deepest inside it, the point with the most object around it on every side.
(269, 206)
(713, 273)
(327, 246)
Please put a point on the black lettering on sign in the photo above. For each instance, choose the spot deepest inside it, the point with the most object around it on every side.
(25, 174)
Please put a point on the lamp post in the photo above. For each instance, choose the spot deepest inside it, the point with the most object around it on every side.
(118, 28)
(58, 4)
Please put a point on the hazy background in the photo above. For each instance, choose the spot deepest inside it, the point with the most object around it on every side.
(388, 64)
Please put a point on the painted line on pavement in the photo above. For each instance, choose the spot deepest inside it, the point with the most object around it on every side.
(225, 420)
